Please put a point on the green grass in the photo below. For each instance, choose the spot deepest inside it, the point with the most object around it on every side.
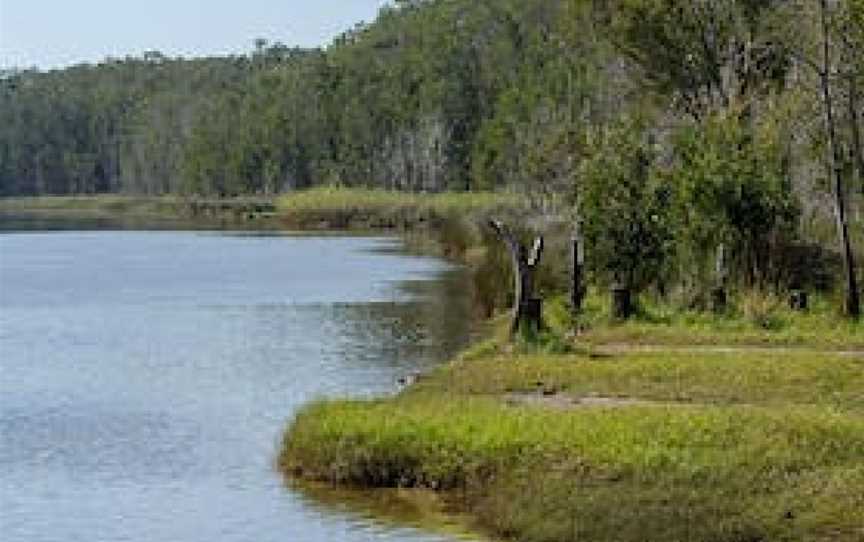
(188, 211)
(716, 379)
(751, 319)
(359, 208)
(727, 447)
(338, 198)
(107, 203)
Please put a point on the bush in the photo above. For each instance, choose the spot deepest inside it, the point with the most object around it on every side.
(622, 207)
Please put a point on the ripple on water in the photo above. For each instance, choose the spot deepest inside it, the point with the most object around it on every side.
(94, 444)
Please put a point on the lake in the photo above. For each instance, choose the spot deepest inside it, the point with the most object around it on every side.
(147, 376)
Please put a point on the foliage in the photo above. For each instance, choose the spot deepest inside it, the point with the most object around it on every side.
(623, 207)
(528, 97)
(733, 190)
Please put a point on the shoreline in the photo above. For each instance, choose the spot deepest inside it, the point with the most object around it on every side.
(548, 447)
(728, 431)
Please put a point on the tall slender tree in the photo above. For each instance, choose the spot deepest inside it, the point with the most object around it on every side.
(835, 163)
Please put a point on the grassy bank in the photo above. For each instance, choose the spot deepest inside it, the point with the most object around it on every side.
(360, 208)
(128, 208)
(638, 446)
(102, 204)
(450, 220)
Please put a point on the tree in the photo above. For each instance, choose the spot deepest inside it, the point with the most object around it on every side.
(622, 207)
(731, 190)
(706, 54)
(835, 161)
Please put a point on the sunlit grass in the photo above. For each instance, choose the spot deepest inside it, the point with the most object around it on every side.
(751, 319)
(683, 471)
(710, 445)
(359, 208)
(113, 203)
(370, 199)
(704, 378)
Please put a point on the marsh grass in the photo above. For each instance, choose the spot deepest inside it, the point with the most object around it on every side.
(745, 469)
(722, 446)
(105, 204)
(358, 208)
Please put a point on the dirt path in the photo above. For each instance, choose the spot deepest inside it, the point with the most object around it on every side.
(566, 401)
(623, 348)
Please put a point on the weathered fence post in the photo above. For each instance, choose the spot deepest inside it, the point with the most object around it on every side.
(718, 294)
(798, 300)
(527, 309)
(577, 286)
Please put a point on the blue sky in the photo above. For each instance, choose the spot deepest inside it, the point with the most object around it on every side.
(57, 33)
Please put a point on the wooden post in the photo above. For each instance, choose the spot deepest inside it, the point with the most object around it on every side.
(527, 309)
(577, 287)
(622, 301)
(718, 294)
(798, 300)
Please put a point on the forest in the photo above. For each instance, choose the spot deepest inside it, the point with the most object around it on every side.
(674, 134)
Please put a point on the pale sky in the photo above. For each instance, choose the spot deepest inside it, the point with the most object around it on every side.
(57, 33)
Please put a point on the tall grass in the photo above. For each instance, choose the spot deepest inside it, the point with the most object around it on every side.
(752, 318)
(389, 202)
(103, 203)
(732, 448)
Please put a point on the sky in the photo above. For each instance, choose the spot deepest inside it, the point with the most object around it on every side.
(52, 34)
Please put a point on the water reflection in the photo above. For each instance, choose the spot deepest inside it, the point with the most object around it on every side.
(387, 507)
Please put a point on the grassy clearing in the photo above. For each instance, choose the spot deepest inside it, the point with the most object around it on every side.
(732, 447)
(755, 379)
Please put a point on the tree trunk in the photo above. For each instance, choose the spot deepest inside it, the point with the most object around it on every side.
(527, 309)
(853, 301)
(857, 146)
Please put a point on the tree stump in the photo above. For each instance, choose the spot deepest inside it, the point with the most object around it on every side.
(798, 301)
(527, 309)
(719, 300)
(622, 302)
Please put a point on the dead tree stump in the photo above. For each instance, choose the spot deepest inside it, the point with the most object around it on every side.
(527, 309)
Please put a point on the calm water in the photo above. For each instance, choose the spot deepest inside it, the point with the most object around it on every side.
(146, 377)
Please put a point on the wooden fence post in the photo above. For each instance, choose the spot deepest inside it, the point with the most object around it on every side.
(577, 286)
(719, 299)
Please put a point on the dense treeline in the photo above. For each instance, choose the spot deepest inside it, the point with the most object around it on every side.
(670, 127)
